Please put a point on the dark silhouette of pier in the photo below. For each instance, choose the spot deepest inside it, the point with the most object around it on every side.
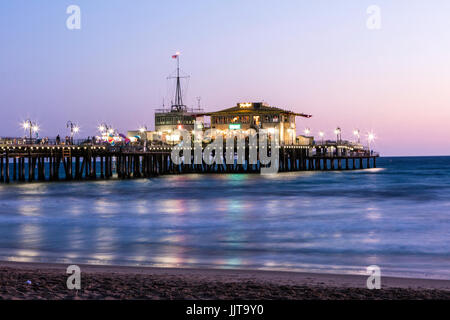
(28, 163)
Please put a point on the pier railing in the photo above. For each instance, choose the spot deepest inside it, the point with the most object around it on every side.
(186, 109)
(120, 146)
(359, 153)
(46, 141)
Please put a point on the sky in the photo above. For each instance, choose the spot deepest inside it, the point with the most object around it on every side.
(317, 57)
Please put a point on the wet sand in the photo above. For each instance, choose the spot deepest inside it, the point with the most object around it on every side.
(48, 281)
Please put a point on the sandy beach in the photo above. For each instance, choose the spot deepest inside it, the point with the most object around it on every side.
(48, 281)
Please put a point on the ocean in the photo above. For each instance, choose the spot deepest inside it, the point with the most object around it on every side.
(396, 216)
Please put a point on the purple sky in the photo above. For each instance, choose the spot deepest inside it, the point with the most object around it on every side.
(316, 57)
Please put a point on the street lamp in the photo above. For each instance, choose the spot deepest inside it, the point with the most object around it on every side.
(307, 131)
(28, 125)
(337, 132)
(105, 129)
(370, 138)
(356, 133)
(143, 129)
(321, 134)
(143, 133)
(31, 127)
(73, 129)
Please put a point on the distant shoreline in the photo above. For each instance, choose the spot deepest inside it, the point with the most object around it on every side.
(48, 281)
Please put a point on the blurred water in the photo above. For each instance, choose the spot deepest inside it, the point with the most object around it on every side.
(396, 216)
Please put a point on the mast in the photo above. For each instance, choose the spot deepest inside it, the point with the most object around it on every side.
(178, 103)
(178, 95)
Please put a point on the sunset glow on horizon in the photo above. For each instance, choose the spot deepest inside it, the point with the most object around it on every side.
(313, 57)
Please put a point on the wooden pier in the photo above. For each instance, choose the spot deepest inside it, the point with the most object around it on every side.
(28, 163)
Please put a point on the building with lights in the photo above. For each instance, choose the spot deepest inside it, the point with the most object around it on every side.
(259, 115)
(177, 118)
(241, 118)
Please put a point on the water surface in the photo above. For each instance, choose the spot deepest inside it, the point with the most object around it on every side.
(396, 216)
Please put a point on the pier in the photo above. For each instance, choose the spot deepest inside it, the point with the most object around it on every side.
(28, 163)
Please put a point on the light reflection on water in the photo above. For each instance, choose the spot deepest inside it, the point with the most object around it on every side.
(395, 217)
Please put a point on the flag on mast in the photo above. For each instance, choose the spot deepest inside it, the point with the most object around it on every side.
(176, 55)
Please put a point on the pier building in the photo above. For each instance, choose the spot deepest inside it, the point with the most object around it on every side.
(258, 115)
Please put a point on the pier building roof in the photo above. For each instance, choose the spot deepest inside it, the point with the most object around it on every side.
(255, 107)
